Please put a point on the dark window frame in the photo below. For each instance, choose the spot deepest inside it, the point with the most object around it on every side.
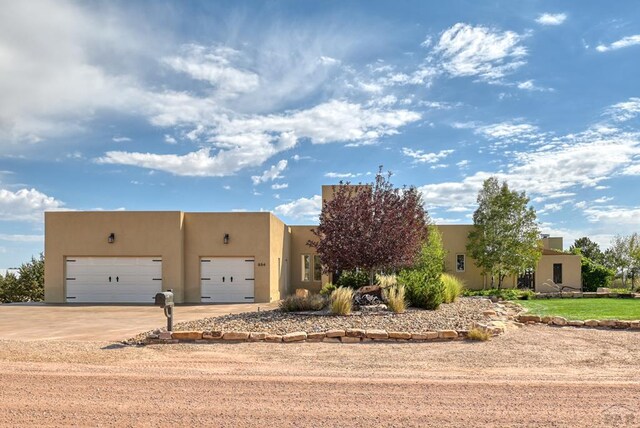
(557, 273)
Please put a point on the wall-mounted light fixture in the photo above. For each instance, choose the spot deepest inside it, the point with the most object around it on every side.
(112, 237)
(226, 238)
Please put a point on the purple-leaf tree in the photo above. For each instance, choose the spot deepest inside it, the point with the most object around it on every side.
(372, 227)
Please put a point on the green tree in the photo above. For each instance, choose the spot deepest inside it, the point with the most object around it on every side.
(423, 282)
(27, 285)
(505, 239)
(595, 275)
(588, 249)
(618, 256)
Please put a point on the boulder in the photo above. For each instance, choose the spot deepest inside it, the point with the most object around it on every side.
(297, 336)
(377, 334)
(273, 338)
(350, 339)
(607, 323)
(591, 323)
(635, 325)
(186, 335)
(302, 292)
(575, 323)
(368, 295)
(623, 324)
(335, 333)
(559, 321)
(257, 337)
(236, 335)
(399, 335)
(316, 337)
(529, 318)
(355, 332)
(447, 334)
(165, 335)
(212, 335)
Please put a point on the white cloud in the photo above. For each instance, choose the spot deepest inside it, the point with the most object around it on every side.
(342, 174)
(214, 65)
(419, 156)
(21, 238)
(279, 186)
(529, 85)
(121, 139)
(169, 139)
(619, 44)
(507, 130)
(26, 205)
(488, 53)
(617, 216)
(303, 208)
(248, 141)
(271, 174)
(625, 110)
(551, 18)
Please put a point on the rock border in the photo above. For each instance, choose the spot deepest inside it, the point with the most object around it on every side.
(350, 335)
(561, 321)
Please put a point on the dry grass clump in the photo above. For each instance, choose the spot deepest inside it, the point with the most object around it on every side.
(479, 334)
(313, 302)
(453, 287)
(342, 301)
(386, 281)
(396, 299)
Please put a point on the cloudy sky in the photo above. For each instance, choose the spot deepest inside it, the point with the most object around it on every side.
(249, 106)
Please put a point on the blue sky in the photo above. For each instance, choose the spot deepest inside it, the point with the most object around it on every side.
(220, 106)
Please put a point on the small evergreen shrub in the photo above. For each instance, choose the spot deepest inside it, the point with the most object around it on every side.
(327, 289)
(313, 302)
(353, 279)
(342, 301)
(396, 299)
(453, 287)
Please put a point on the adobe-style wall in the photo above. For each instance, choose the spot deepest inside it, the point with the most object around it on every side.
(137, 234)
(571, 272)
(300, 235)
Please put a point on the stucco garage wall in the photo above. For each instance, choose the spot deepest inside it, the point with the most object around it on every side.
(249, 235)
(141, 233)
(279, 245)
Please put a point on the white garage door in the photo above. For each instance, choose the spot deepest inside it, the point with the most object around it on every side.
(113, 279)
(226, 279)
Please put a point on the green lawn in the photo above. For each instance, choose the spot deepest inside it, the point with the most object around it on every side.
(584, 309)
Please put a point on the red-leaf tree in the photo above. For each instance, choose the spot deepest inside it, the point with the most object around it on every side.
(372, 227)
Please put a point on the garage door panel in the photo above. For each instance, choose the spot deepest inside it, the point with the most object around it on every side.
(227, 279)
(113, 279)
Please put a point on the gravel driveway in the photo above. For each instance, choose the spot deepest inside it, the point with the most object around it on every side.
(535, 376)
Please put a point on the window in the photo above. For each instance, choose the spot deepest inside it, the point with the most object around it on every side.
(306, 267)
(317, 268)
(460, 262)
(557, 273)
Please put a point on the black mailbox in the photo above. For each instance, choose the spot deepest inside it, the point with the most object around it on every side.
(164, 299)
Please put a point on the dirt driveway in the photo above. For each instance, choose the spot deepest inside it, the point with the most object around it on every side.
(99, 322)
(537, 376)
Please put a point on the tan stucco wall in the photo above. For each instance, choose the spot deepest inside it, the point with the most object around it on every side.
(454, 241)
(571, 272)
(249, 236)
(553, 243)
(279, 244)
(300, 235)
(146, 233)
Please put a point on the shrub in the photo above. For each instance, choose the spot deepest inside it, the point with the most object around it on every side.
(327, 289)
(423, 282)
(342, 301)
(386, 281)
(396, 299)
(502, 293)
(313, 302)
(453, 287)
(479, 334)
(595, 275)
(353, 279)
(27, 285)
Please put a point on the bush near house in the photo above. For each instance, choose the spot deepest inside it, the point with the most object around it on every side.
(502, 293)
(27, 285)
(396, 298)
(327, 289)
(423, 282)
(313, 302)
(342, 301)
(353, 279)
(595, 275)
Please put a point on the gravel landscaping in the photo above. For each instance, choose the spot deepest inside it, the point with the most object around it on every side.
(459, 315)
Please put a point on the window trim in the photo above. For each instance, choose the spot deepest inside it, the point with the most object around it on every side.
(554, 273)
(464, 262)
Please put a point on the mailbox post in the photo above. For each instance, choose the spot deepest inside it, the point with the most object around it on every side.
(165, 301)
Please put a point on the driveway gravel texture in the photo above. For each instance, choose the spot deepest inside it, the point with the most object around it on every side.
(533, 376)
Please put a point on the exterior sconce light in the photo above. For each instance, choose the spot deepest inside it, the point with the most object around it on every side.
(226, 238)
(112, 237)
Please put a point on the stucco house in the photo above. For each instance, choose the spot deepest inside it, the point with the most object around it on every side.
(215, 257)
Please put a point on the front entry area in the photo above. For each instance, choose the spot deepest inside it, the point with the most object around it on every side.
(113, 279)
(227, 279)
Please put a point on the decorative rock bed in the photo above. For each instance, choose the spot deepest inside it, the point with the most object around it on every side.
(449, 322)
(561, 321)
